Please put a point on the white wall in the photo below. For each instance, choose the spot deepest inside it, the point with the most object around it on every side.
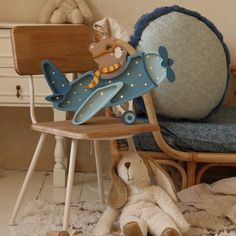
(221, 12)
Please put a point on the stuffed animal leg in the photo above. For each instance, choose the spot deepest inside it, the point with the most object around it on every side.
(75, 17)
(149, 217)
(168, 206)
(130, 224)
(66, 11)
(158, 221)
(58, 17)
(85, 10)
(48, 10)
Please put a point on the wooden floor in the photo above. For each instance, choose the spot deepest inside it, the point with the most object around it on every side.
(85, 187)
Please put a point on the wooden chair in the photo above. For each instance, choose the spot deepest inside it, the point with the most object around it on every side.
(67, 46)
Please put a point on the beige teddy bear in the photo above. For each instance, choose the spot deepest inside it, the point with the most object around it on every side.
(142, 207)
(66, 11)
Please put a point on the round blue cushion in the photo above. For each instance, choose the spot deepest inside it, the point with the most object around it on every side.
(201, 61)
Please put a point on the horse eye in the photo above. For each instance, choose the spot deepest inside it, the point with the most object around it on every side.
(108, 47)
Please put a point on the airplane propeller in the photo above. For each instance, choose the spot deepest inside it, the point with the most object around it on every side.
(167, 63)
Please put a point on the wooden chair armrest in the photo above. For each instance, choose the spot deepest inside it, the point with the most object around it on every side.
(233, 72)
(233, 68)
(230, 98)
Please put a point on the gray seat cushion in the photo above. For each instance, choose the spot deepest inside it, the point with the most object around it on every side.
(217, 133)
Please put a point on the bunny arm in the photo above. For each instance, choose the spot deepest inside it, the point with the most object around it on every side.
(104, 224)
(165, 202)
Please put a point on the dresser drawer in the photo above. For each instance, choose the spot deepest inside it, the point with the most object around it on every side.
(10, 80)
(6, 57)
(5, 43)
(6, 61)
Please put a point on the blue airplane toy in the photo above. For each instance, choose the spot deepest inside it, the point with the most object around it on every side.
(139, 74)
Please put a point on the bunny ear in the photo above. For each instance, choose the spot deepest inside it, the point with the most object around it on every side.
(118, 192)
(162, 178)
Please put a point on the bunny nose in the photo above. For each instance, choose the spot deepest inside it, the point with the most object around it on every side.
(127, 165)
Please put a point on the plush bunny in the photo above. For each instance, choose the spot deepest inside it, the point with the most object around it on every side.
(141, 206)
(66, 11)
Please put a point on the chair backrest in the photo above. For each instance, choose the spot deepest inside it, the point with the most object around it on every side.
(65, 45)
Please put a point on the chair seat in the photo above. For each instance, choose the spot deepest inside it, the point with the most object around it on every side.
(101, 128)
(215, 134)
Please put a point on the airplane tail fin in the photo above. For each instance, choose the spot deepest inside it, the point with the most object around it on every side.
(55, 97)
(57, 82)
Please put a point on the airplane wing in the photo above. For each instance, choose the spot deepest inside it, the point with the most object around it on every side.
(57, 82)
(95, 102)
(77, 93)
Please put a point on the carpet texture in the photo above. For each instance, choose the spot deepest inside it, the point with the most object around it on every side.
(41, 216)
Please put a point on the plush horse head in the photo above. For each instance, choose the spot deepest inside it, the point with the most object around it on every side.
(107, 53)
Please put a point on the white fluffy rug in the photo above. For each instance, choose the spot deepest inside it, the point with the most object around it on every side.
(41, 216)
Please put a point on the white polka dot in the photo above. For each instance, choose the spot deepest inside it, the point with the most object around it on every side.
(85, 90)
(80, 84)
(121, 96)
(101, 93)
(139, 75)
(63, 85)
(150, 67)
(136, 62)
(68, 102)
(147, 56)
(145, 84)
(163, 70)
(57, 98)
(132, 85)
(79, 99)
(158, 58)
(74, 92)
(53, 82)
(128, 73)
(109, 81)
(91, 105)
(158, 78)
(53, 73)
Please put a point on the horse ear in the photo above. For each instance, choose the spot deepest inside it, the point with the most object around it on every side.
(98, 36)
(118, 192)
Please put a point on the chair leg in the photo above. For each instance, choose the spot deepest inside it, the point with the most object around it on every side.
(97, 150)
(70, 180)
(27, 178)
(191, 173)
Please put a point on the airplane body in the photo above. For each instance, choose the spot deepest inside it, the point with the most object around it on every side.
(141, 73)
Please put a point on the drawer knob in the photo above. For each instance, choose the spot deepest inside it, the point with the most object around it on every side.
(18, 91)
